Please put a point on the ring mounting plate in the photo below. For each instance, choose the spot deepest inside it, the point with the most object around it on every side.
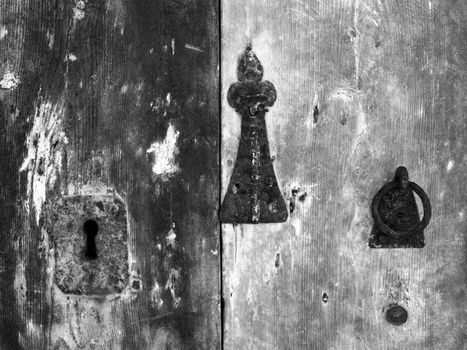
(396, 216)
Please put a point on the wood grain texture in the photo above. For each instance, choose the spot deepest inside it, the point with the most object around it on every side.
(387, 79)
(113, 97)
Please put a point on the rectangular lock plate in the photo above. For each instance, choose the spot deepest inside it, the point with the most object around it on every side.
(67, 220)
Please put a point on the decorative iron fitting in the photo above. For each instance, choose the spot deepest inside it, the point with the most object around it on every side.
(396, 219)
(253, 195)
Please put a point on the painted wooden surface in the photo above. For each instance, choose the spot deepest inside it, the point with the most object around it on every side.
(362, 86)
(110, 99)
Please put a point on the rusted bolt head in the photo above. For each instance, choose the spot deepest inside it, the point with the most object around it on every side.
(396, 315)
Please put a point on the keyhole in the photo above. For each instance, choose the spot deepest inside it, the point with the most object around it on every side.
(90, 229)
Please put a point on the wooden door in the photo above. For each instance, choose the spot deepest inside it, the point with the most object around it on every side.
(362, 87)
(109, 123)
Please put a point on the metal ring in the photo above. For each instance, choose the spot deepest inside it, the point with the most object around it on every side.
(385, 228)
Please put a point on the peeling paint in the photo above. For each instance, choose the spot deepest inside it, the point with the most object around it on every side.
(171, 237)
(124, 89)
(119, 12)
(43, 161)
(3, 32)
(171, 285)
(156, 297)
(79, 10)
(78, 321)
(450, 165)
(71, 57)
(50, 39)
(345, 94)
(193, 48)
(20, 286)
(9, 81)
(165, 151)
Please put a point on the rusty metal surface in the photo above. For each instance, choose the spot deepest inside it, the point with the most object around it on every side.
(253, 195)
(76, 273)
(395, 212)
(396, 315)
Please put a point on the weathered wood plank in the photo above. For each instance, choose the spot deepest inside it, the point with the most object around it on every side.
(111, 97)
(388, 81)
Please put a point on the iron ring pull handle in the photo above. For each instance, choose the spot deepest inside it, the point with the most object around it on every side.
(385, 228)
